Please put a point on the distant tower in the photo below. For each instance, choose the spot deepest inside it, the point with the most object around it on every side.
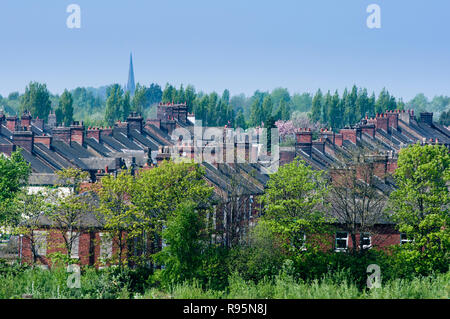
(131, 87)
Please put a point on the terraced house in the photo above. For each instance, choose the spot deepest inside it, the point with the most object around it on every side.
(142, 144)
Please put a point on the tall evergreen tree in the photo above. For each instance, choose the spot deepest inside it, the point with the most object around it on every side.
(113, 104)
(36, 99)
(140, 99)
(64, 113)
(316, 109)
(325, 108)
(256, 113)
(267, 108)
(362, 104)
(126, 106)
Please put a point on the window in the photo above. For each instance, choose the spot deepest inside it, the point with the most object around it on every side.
(341, 241)
(105, 245)
(75, 244)
(40, 242)
(404, 239)
(366, 240)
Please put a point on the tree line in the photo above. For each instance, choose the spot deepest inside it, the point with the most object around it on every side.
(105, 105)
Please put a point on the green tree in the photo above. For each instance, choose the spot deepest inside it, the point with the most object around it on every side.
(169, 94)
(267, 108)
(115, 209)
(325, 108)
(64, 113)
(185, 240)
(140, 100)
(14, 172)
(240, 121)
(293, 202)
(28, 209)
(126, 106)
(256, 113)
(420, 205)
(316, 110)
(113, 104)
(157, 192)
(36, 99)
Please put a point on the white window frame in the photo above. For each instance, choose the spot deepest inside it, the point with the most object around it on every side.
(40, 242)
(340, 238)
(367, 235)
(75, 251)
(106, 244)
(405, 240)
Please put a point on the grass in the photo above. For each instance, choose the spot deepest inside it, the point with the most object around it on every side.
(329, 287)
(107, 284)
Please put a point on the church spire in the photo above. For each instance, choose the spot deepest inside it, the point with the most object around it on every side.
(131, 87)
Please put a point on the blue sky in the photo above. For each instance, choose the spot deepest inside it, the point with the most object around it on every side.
(242, 45)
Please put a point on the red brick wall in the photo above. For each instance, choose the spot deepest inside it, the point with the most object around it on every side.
(393, 118)
(89, 241)
(304, 136)
(349, 135)
(77, 135)
(46, 140)
(382, 122)
(94, 133)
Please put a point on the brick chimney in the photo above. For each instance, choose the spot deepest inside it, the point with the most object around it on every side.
(326, 134)
(382, 122)
(319, 145)
(124, 126)
(304, 136)
(61, 134)
(154, 122)
(351, 134)
(93, 132)
(406, 116)
(25, 120)
(304, 140)
(135, 122)
(39, 123)
(338, 139)
(24, 139)
(368, 129)
(393, 118)
(43, 139)
(426, 117)
(11, 123)
(77, 133)
(105, 131)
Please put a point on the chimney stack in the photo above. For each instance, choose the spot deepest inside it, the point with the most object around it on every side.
(24, 139)
(26, 120)
(77, 133)
(426, 117)
(134, 121)
(93, 132)
(11, 123)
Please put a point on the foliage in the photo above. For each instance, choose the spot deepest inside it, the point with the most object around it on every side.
(420, 205)
(184, 241)
(114, 211)
(64, 112)
(293, 201)
(158, 192)
(14, 172)
(36, 99)
(260, 255)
